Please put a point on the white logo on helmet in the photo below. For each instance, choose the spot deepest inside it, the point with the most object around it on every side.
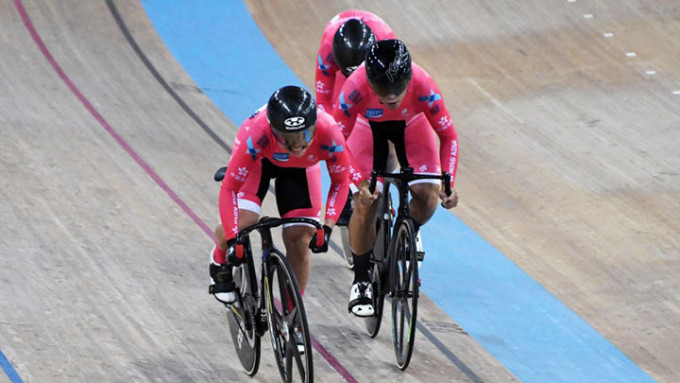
(294, 123)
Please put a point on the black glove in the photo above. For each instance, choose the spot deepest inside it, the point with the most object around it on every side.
(234, 252)
(326, 237)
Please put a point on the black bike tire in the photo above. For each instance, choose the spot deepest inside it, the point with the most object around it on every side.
(277, 262)
(403, 348)
(249, 356)
(380, 267)
(346, 249)
(373, 322)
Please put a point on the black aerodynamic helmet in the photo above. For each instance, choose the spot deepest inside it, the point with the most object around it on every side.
(388, 66)
(291, 112)
(351, 43)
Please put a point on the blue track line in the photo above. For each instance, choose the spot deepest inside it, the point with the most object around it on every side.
(9, 370)
(519, 322)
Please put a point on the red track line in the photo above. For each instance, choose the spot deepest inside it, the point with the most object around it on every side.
(86, 103)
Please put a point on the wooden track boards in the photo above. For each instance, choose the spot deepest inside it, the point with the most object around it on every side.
(569, 167)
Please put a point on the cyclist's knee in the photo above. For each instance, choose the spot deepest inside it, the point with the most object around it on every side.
(298, 236)
(220, 239)
(426, 195)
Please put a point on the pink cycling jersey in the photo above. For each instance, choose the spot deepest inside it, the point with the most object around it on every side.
(423, 97)
(255, 141)
(327, 71)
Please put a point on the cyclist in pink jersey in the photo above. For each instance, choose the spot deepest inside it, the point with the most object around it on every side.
(344, 43)
(284, 140)
(391, 99)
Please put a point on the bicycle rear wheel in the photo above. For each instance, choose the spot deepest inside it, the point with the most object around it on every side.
(373, 322)
(404, 289)
(242, 317)
(287, 319)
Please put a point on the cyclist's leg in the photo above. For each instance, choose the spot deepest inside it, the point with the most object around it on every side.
(362, 233)
(422, 153)
(362, 222)
(297, 238)
(298, 194)
(365, 145)
(245, 219)
(222, 283)
(250, 197)
(249, 201)
(362, 226)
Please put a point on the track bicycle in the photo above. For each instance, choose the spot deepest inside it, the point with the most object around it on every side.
(274, 304)
(394, 263)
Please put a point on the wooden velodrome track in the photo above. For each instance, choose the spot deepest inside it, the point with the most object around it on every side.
(570, 150)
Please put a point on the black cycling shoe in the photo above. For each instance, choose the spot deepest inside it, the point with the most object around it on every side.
(222, 283)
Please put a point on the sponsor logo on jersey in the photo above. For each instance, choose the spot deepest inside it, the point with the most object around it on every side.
(282, 157)
(431, 98)
(374, 113)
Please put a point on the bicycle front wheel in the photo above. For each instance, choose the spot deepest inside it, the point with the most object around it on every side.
(287, 320)
(242, 317)
(404, 289)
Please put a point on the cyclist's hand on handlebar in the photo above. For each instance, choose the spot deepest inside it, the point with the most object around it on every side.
(365, 197)
(234, 252)
(449, 201)
(316, 245)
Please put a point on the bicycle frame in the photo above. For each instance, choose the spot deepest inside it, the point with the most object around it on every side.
(400, 279)
(263, 310)
(255, 310)
(263, 227)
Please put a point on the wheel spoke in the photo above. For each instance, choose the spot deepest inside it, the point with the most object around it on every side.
(298, 360)
(400, 325)
(290, 353)
(241, 319)
(404, 301)
(288, 319)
